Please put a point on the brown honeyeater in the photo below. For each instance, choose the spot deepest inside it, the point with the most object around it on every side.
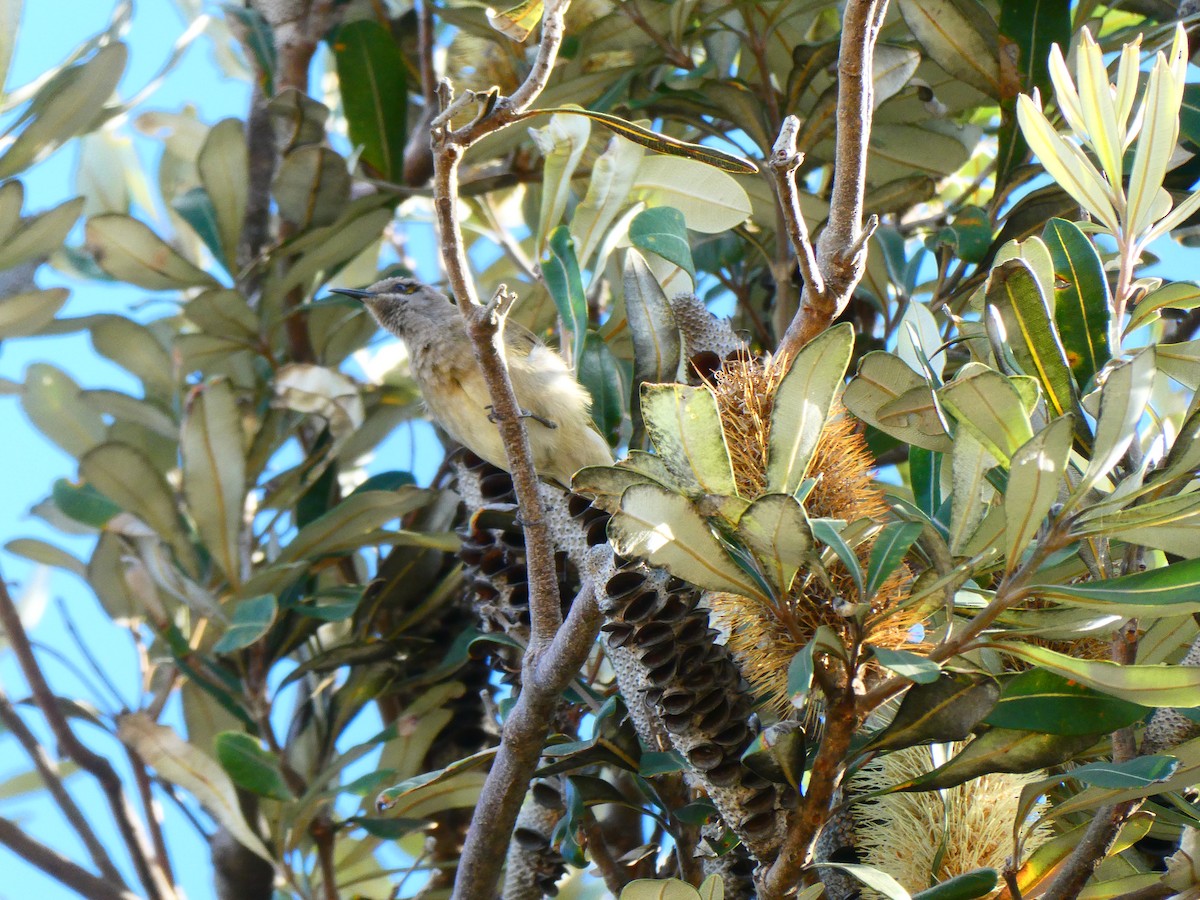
(557, 408)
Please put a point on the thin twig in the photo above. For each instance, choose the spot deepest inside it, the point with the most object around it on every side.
(52, 778)
(151, 813)
(131, 833)
(59, 867)
(783, 165)
(840, 250)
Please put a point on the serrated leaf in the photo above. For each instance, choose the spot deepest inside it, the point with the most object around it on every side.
(775, 529)
(1038, 700)
(1161, 685)
(214, 472)
(1014, 290)
(1082, 303)
(662, 230)
(224, 167)
(372, 75)
(989, 406)
(665, 529)
(1035, 477)
(802, 403)
(251, 767)
(129, 251)
(685, 427)
(187, 767)
(943, 710)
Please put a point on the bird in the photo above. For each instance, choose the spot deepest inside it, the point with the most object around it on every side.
(557, 408)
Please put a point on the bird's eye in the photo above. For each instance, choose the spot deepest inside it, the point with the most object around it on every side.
(407, 288)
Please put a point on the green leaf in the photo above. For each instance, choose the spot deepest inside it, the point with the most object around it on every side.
(1176, 295)
(346, 525)
(775, 529)
(908, 665)
(250, 766)
(988, 405)
(662, 230)
(960, 36)
(802, 403)
(214, 473)
(83, 503)
(69, 103)
(36, 237)
(800, 674)
(47, 554)
(1123, 400)
(1162, 685)
(129, 251)
(53, 402)
(600, 373)
(127, 477)
(829, 534)
(947, 709)
(1013, 289)
(1001, 750)
(969, 234)
(890, 547)
(518, 22)
(685, 427)
(607, 197)
(711, 201)
(968, 886)
(195, 208)
(1034, 479)
(1082, 303)
(1171, 524)
(659, 143)
(250, 621)
(873, 878)
(1038, 700)
(657, 345)
(26, 314)
(311, 186)
(136, 349)
(565, 284)
(372, 75)
(970, 463)
(1139, 772)
(664, 528)
(260, 39)
(224, 167)
(883, 379)
(1170, 590)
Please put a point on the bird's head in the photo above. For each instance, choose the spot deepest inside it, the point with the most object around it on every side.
(402, 304)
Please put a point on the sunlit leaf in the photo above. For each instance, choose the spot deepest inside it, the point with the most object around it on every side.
(214, 472)
(129, 251)
(1034, 481)
(250, 766)
(1038, 700)
(1081, 299)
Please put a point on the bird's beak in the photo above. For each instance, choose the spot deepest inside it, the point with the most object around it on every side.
(352, 292)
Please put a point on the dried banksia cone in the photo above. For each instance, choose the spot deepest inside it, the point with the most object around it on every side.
(765, 637)
(735, 868)
(703, 333)
(669, 663)
(1169, 728)
(919, 836)
(533, 867)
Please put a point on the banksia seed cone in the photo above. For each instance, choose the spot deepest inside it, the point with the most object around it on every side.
(533, 867)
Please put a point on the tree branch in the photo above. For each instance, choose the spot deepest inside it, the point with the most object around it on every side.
(59, 867)
(841, 249)
(48, 770)
(156, 886)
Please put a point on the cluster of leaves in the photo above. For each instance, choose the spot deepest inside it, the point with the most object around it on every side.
(1039, 414)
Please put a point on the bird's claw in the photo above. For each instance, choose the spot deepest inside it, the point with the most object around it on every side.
(523, 414)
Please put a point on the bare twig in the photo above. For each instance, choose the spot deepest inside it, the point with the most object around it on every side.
(783, 164)
(59, 867)
(151, 813)
(52, 778)
(840, 252)
(804, 822)
(156, 886)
